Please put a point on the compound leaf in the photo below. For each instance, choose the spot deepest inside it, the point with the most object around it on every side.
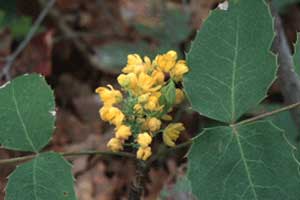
(248, 162)
(47, 177)
(27, 113)
(230, 61)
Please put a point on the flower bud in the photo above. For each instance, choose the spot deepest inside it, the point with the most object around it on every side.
(143, 153)
(123, 132)
(153, 124)
(115, 145)
(144, 139)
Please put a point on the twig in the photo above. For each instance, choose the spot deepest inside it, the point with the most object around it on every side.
(68, 154)
(11, 58)
(289, 80)
(76, 40)
(267, 114)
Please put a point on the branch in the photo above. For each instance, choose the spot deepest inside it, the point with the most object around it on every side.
(11, 58)
(289, 80)
(267, 114)
(69, 154)
(68, 32)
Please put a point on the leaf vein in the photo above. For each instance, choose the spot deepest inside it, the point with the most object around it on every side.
(243, 157)
(21, 119)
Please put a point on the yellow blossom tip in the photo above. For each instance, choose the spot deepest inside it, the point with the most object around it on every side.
(171, 133)
(123, 132)
(153, 124)
(144, 139)
(115, 145)
(143, 153)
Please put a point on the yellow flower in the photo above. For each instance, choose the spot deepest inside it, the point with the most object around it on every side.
(148, 65)
(118, 119)
(153, 104)
(143, 98)
(156, 94)
(112, 114)
(109, 95)
(166, 61)
(143, 153)
(171, 133)
(123, 132)
(128, 81)
(158, 76)
(142, 80)
(153, 124)
(179, 70)
(135, 64)
(138, 108)
(106, 113)
(115, 144)
(146, 83)
(179, 96)
(144, 139)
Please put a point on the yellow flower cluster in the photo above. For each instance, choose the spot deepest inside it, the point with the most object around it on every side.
(150, 92)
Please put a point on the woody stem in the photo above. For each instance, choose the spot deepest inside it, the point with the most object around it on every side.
(138, 184)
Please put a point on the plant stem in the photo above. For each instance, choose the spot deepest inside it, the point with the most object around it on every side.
(267, 114)
(129, 155)
(138, 184)
(69, 154)
(15, 160)
(288, 78)
(102, 153)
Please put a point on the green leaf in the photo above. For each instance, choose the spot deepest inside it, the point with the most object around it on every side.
(248, 162)
(296, 55)
(21, 26)
(47, 177)
(27, 113)
(168, 95)
(10, 10)
(180, 32)
(285, 122)
(113, 56)
(165, 32)
(231, 66)
(154, 31)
